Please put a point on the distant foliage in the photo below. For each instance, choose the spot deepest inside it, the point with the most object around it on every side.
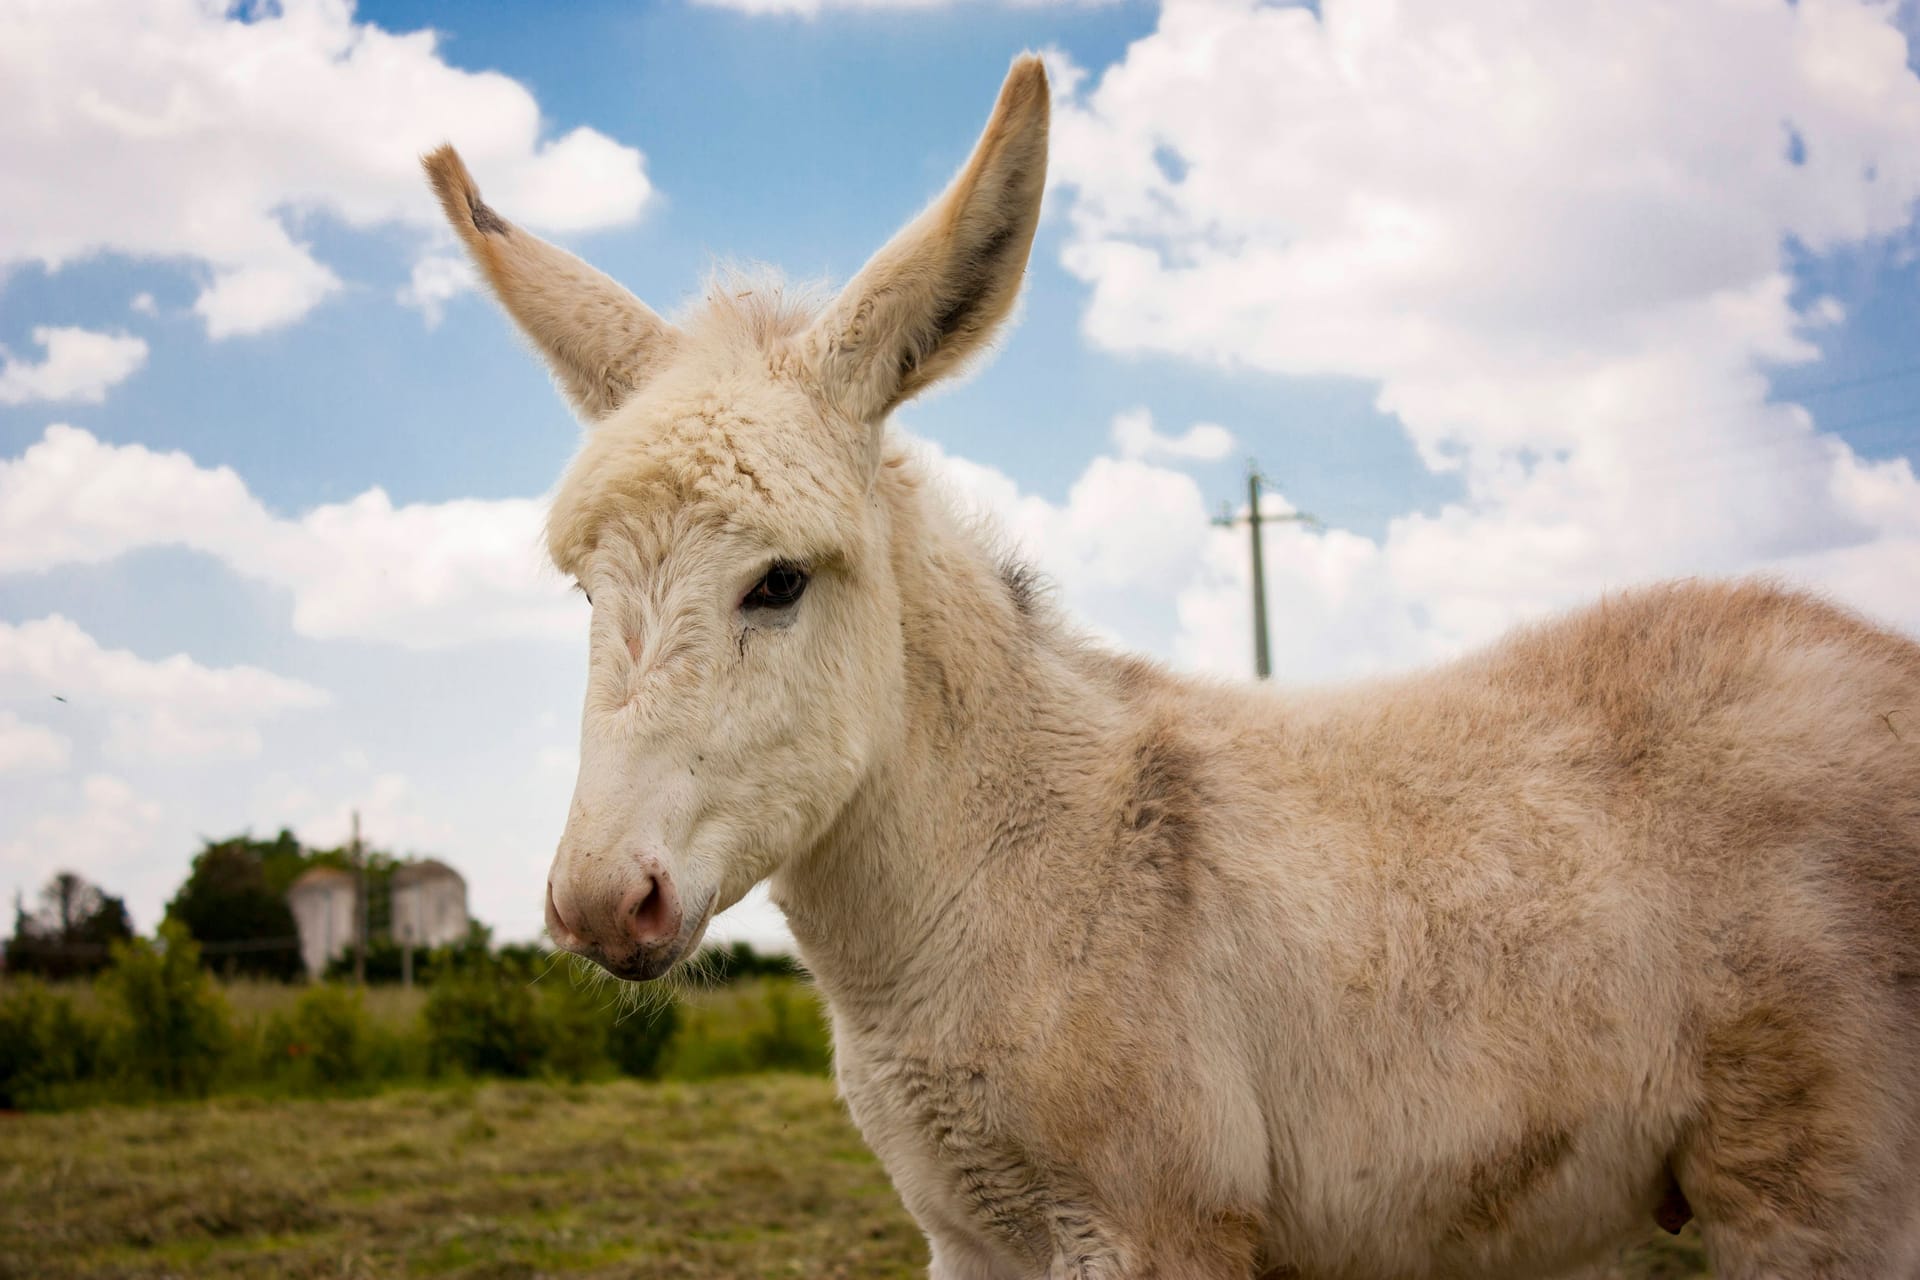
(70, 934)
(384, 964)
(332, 1042)
(46, 1047)
(739, 962)
(772, 1024)
(485, 1024)
(156, 1024)
(795, 1037)
(229, 906)
(168, 1027)
(638, 1039)
(575, 1018)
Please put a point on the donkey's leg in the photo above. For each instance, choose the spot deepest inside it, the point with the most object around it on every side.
(1167, 1246)
(1805, 1161)
(955, 1258)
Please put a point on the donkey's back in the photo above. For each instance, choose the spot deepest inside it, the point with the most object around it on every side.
(1618, 918)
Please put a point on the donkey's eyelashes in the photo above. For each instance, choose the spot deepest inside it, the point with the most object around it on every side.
(780, 587)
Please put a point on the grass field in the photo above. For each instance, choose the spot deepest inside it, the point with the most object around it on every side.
(756, 1176)
(759, 1176)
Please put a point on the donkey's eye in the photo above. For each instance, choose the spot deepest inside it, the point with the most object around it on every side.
(781, 588)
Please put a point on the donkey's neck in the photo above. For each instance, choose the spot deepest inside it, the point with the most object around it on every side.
(1001, 705)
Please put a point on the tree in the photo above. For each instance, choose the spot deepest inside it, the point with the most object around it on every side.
(69, 935)
(231, 910)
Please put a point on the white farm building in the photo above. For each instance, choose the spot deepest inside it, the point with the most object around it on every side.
(324, 906)
(429, 904)
(428, 909)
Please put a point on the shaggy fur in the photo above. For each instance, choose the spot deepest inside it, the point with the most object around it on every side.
(1479, 972)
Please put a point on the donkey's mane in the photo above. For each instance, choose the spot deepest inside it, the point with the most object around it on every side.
(753, 305)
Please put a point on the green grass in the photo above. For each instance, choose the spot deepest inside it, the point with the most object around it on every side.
(759, 1176)
(752, 1176)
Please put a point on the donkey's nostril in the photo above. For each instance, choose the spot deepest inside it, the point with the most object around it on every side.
(650, 911)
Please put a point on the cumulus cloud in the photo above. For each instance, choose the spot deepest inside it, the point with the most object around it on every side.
(389, 804)
(208, 136)
(1134, 436)
(79, 364)
(28, 747)
(1118, 550)
(167, 710)
(813, 8)
(1555, 242)
(437, 279)
(422, 576)
(104, 832)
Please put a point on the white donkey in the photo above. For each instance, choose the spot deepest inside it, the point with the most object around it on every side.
(1478, 972)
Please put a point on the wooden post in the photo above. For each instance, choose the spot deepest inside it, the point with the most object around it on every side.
(1262, 663)
(360, 906)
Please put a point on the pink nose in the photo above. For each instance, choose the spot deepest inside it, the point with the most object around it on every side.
(632, 928)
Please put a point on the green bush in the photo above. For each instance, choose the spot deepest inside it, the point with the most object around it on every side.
(575, 1018)
(332, 1042)
(638, 1038)
(795, 1036)
(169, 1027)
(46, 1046)
(485, 1024)
(769, 1024)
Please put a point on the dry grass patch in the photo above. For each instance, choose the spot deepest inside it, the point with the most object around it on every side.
(757, 1176)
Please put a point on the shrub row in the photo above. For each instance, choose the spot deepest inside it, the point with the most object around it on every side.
(155, 1025)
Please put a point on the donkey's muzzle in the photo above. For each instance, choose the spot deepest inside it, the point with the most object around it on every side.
(635, 932)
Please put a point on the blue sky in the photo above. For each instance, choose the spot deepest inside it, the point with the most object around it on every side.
(1522, 310)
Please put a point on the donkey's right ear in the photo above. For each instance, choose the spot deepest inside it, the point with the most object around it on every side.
(933, 297)
(600, 340)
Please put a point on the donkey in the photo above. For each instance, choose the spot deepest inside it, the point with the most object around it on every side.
(1478, 972)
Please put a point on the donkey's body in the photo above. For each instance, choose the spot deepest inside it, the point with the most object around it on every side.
(1450, 974)
(1464, 974)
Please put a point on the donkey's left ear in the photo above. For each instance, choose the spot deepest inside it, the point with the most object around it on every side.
(936, 293)
(600, 341)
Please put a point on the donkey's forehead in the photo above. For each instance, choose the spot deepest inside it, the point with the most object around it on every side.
(760, 461)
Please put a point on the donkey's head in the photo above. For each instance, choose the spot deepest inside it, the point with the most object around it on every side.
(746, 662)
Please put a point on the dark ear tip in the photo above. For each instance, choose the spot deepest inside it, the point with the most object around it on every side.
(458, 194)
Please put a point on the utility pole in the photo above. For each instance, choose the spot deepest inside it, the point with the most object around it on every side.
(1262, 664)
(360, 906)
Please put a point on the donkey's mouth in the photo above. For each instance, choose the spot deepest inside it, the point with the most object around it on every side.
(644, 964)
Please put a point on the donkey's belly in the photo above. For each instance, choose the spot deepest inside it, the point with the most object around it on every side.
(1367, 1198)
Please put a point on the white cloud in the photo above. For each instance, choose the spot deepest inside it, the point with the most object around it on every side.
(143, 304)
(28, 747)
(172, 709)
(814, 8)
(79, 365)
(437, 279)
(106, 834)
(264, 295)
(1556, 243)
(390, 809)
(208, 134)
(422, 576)
(1117, 551)
(1134, 436)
